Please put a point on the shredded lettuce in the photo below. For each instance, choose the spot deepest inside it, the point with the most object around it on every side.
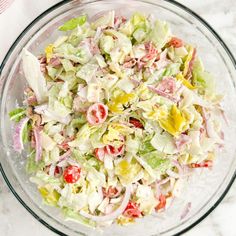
(202, 79)
(118, 109)
(73, 23)
(17, 114)
(73, 215)
(31, 165)
(105, 20)
(34, 76)
(156, 162)
(164, 143)
(160, 34)
(50, 197)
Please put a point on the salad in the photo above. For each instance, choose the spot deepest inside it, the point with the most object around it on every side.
(117, 112)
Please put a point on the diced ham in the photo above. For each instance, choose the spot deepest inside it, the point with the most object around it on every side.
(43, 63)
(131, 63)
(118, 21)
(55, 61)
(140, 65)
(167, 85)
(163, 94)
(182, 140)
(190, 67)
(161, 61)
(152, 52)
(111, 192)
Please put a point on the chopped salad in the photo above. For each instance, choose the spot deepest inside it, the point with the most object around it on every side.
(116, 112)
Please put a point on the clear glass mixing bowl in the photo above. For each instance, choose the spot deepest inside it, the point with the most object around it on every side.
(205, 189)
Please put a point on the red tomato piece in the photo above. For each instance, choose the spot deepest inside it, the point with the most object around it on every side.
(176, 42)
(100, 153)
(113, 151)
(162, 202)
(57, 171)
(71, 174)
(132, 210)
(97, 113)
(203, 164)
(136, 123)
(151, 52)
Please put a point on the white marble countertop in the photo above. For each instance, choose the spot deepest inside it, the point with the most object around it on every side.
(14, 219)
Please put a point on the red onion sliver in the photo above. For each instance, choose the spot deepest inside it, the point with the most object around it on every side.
(178, 166)
(173, 174)
(18, 133)
(163, 181)
(186, 210)
(65, 156)
(38, 144)
(115, 213)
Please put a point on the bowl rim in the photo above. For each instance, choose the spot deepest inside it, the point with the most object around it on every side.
(61, 3)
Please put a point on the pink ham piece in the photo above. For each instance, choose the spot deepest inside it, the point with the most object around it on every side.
(182, 140)
(131, 63)
(167, 85)
(43, 63)
(190, 67)
(166, 88)
(118, 20)
(55, 61)
(163, 94)
(151, 52)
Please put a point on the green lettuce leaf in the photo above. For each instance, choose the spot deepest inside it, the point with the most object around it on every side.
(106, 43)
(146, 146)
(202, 79)
(17, 114)
(160, 34)
(73, 23)
(72, 215)
(25, 134)
(49, 197)
(32, 166)
(172, 69)
(104, 21)
(156, 161)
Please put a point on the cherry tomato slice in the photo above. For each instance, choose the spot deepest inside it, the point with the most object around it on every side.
(203, 164)
(136, 123)
(71, 174)
(162, 202)
(97, 113)
(132, 210)
(176, 42)
(113, 151)
(100, 153)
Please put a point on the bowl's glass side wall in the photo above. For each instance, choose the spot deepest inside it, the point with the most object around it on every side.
(205, 188)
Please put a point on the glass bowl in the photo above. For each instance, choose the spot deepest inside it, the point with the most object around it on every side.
(205, 189)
